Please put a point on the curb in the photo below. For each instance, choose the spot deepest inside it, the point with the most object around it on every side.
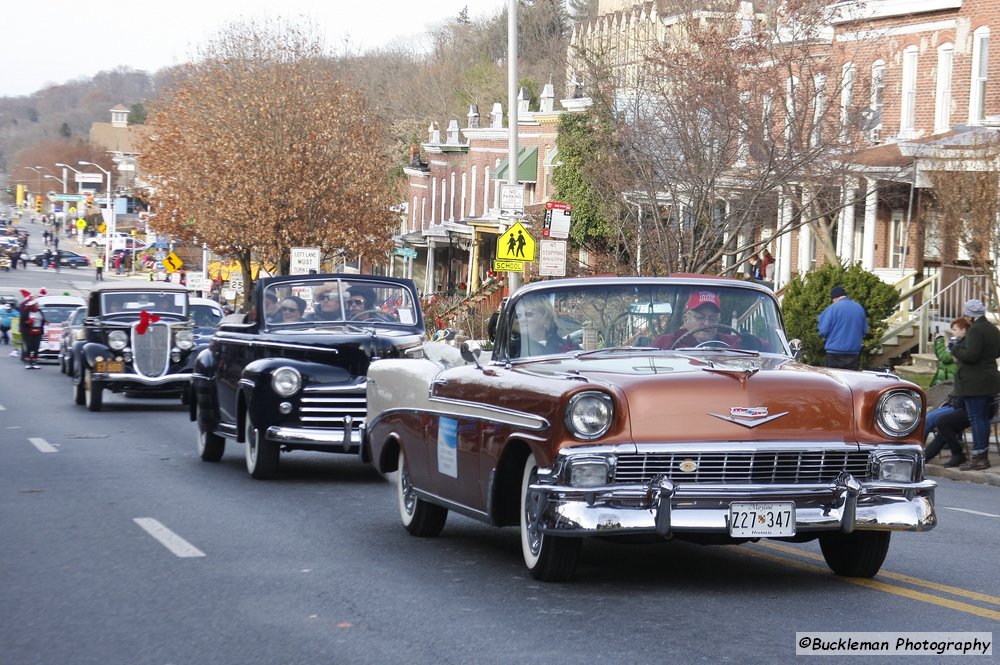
(989, 477)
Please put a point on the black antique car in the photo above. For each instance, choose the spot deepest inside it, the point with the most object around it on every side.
(292, 374)
(136, 339)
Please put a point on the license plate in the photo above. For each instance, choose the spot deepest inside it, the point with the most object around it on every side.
(761, 520)
(109, 366)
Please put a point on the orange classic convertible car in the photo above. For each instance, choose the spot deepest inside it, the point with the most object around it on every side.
(659, 407)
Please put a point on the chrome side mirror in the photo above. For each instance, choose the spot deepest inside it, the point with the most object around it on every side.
(471, 352)
(796, 346)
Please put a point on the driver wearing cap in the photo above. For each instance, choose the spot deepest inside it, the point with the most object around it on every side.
(702, 314)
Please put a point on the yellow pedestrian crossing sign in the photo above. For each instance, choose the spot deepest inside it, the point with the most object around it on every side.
(516, 244)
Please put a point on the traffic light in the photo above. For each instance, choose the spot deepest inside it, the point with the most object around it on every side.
(38, 203)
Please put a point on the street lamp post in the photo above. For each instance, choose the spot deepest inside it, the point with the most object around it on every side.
(58, 179)
(79, 185)
(111, 213)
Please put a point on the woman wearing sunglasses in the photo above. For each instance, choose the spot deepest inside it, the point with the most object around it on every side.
(328, 300)
(291, 309)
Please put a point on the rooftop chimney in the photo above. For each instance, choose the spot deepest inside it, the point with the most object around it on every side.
(496, 116)
(473, 116)
(548, 98)
(522, 101)
(452, 132)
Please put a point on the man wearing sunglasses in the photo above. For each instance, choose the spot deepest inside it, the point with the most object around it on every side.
(361, 300)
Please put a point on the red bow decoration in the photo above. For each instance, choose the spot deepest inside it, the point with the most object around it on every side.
(145, 318)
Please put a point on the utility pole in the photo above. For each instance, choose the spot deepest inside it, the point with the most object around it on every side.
(513, 278)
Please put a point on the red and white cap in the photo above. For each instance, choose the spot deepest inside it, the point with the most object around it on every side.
(699, 298)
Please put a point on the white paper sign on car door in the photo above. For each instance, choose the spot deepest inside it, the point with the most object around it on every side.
(447, 446)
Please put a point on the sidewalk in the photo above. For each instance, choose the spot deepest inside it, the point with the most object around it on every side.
(990, 476)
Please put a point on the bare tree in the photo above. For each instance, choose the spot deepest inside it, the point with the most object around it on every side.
(260, 148)
(964, 208)
(714, 122)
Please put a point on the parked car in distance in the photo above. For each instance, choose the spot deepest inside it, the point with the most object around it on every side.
(102, 240)
(70, 330)
(132, 245)
(56, 310)
(711, 432)
(66, 258)
(291, 375)
(137, 338)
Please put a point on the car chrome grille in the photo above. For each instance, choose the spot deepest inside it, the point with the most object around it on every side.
(330, 407)
(151, 350)
(762, 467)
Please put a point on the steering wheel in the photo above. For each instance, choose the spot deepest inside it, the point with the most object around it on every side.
(708, 343)
(370, 314)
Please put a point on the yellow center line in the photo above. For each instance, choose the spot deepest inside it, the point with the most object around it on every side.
(899, 577)
(881, 586)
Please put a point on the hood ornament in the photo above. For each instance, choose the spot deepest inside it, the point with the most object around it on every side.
(749, 416)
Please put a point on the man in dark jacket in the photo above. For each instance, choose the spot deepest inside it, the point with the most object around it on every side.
(978, 381)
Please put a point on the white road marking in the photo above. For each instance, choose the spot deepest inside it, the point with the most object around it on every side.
(42, 445)
(168, 538)
(2, 407)
(974, 512)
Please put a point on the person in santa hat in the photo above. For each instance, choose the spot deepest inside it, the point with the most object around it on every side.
(32, 329)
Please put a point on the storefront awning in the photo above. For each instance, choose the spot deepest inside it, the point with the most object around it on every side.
(527, 166)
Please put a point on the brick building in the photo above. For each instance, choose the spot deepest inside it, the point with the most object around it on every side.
(452, 207)
(921, 71)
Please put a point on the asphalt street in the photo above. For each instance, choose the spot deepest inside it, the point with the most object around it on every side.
(120, 546)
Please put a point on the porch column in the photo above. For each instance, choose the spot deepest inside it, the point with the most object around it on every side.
(783, 269)
(871, 212)
(845, 237)
(805, 247)
(429, 276)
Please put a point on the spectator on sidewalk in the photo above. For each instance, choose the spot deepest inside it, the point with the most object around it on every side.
(843, 326)
(978, 379)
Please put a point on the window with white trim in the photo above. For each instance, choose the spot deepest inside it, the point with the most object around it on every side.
(848, 74)
(908, 111)
(877, 103)
(980, 74)
(942, 98)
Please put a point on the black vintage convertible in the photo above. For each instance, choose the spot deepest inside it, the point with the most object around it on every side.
(291, 373)
(136, 339)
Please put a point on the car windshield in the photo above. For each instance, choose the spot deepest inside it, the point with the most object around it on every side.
(160, 302)
(623, 314)
(57, 314)
(205, 316)
(338, 301)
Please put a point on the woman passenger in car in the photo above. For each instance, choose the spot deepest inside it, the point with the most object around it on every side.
(328, 300)
(291, 309)
(539, 330)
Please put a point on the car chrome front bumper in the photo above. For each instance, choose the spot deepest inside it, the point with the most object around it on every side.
(122, 377)
(664, 507)
(343, 440)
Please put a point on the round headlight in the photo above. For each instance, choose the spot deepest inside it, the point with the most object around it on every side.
(286, 381)
(117, 339)
(184, 339)
(898, 413)
(589, 414)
